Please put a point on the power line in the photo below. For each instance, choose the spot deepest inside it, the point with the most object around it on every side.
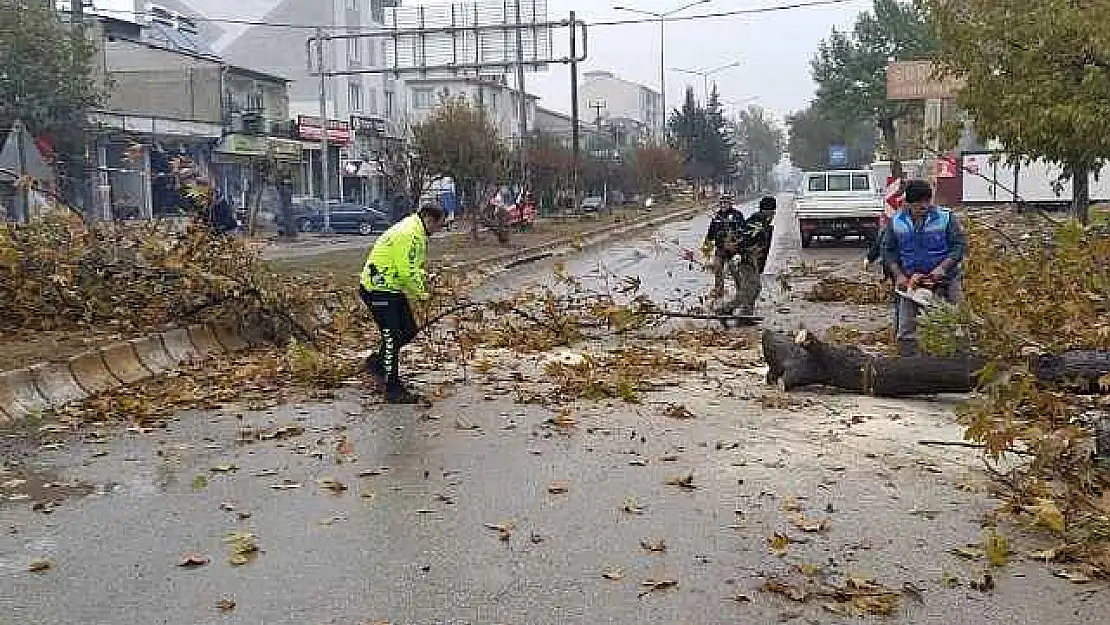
(734, 13)
(623, 22)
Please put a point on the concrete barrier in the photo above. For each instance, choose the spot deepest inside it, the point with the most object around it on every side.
(19, 397)
(204, 339)
(228, 336)
(152, 354)
(123, 361)
(92, 373)
(56, 384)
(179, 347)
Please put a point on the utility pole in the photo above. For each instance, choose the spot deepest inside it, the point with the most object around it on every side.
(575, 138)
(523, 128)
(324, 182)
(23, 182)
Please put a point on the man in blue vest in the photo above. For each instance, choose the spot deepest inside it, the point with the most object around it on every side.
(923, 249)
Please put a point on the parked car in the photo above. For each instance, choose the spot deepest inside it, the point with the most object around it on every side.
(593, 204)
(345, 217)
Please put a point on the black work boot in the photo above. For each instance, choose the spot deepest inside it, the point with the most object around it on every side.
(396, 393)
(374, 368)
(907, 348)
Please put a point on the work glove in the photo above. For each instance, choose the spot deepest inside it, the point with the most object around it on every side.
(707, 248)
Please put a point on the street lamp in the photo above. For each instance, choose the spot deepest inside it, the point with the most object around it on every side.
(706, 73)
(662, 17)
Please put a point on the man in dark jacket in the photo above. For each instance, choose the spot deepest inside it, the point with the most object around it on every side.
(724, 241)
(924, 248)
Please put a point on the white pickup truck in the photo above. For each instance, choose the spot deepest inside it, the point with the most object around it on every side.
(838, 204)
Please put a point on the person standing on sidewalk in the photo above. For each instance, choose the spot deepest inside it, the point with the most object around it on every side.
(924, 247)
(393, 281)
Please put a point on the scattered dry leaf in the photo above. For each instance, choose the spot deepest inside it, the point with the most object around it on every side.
(678, 411)
(682, 481)
(810, 525)
(983, 584)
(226, 604)
(631, 506)
(790, 504)
(657, 545)
(193, 559)
(463, 424)
(970, 552)
(244, 548)
(224, 468)
(40, 565)
(332, 484)
(345, 447)
(1047, 515)
(780, 544)
(997, 548)
(504, 530)
(613, 574)
(790, 591)
(655, 585)
(558, 488)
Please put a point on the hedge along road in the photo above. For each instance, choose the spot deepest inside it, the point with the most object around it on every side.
(480, 512)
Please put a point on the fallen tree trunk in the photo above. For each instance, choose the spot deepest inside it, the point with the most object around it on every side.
(803, 360)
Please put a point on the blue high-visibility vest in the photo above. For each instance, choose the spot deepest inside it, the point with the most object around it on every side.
(921, 250)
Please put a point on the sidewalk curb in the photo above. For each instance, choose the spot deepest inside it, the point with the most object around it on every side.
(32, 390)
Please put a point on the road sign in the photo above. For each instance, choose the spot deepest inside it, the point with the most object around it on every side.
(838, 155)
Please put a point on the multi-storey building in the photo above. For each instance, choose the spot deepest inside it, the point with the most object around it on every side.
(607, 100)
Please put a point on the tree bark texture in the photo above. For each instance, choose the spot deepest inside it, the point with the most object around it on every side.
(803, 360)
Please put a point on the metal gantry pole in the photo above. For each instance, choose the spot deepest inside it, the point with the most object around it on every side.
(324, 175)
(523, 127)
(662, 77)
(575, 137)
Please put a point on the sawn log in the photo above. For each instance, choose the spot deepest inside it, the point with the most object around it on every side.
(802, 360)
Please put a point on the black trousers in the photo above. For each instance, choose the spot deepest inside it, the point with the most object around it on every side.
(395, 321)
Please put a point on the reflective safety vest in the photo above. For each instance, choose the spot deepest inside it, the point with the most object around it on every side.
(922, 250)
(396, 262)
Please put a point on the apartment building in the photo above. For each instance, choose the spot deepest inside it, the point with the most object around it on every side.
(493, 92)
(607, 100)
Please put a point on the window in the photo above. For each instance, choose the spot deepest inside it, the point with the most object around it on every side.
(256, 101)
(492, 100)
(861, 182)
(372, 101)
(354, 51)
(371, 53)
(354, 96)
(817, 183)
(389, 104)
(422, 98)
(840, 182)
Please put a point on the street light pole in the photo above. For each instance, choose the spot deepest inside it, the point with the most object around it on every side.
(705, 74)
(662, 17)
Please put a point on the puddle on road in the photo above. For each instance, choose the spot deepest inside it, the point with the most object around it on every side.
(42, 490)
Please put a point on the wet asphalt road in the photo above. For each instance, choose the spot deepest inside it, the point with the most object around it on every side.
(410, 540)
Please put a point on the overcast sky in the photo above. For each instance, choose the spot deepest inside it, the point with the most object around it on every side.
(773, 48)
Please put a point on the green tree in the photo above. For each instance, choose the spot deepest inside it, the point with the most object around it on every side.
(759, 144)
(699, 134)
(1036, 76)
(811, 131)
(47, 80)
(850, 68)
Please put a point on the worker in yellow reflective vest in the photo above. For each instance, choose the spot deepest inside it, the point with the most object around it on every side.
(393, 279)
